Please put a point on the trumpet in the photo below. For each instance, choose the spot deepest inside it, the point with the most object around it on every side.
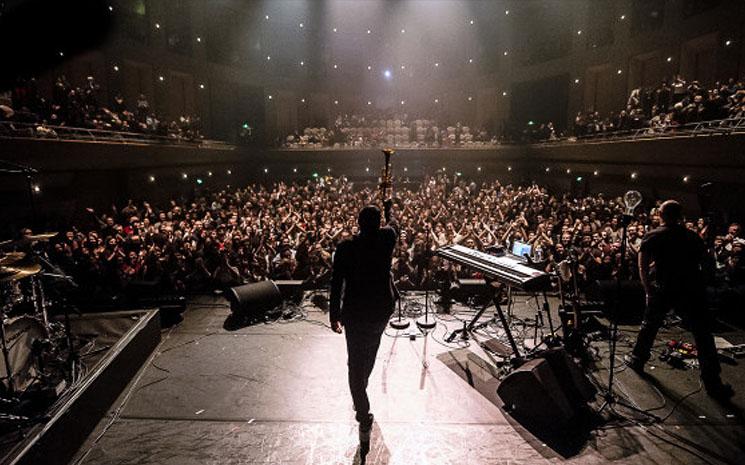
(386, 177)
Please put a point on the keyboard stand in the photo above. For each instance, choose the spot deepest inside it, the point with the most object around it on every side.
(467, 329)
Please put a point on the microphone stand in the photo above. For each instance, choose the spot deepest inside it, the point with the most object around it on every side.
(386, 183)
(424, 323)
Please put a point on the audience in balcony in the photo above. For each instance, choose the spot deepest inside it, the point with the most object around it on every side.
(82, 107)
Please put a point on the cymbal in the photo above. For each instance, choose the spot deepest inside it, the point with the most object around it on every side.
(14, 273)
(11, 257)
(41, 237)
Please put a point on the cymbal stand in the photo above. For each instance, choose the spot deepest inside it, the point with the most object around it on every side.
(6, 355)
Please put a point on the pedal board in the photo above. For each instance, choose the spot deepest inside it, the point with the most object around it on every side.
(496, 347)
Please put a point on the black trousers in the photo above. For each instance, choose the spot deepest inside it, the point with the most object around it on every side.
(363, 340)
(692, 309)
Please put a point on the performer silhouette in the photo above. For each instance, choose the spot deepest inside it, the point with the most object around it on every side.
(362, 301)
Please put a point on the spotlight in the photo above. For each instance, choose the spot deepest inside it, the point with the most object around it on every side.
(403, 102)
(336, 102)
(470, 98)
(61, 54)
(504, 93)
(151, 178)
(471, 22)
(334, 29)
(336, 66)
(595, 173)
(302, 63)
(437, 64)
(328, 170)
(387, 74)
(209, 173)
(268, 58)
(403, 66)
(199, 39)
(266, 16)
(294, 170)
(201, 86)
(669, 59)
(406, 169)
(505, 53)
(506, 12)
(369, 31)
(403, 31)
(579, 178)
(161, 78)
(509, 168)
(184, 176)
(37, 189)
(369, 67)
(367, 170)
(470, 60)
(727, 43)
(229, 172)
(369, 102)
(686, 178)
(116, 68)
(266, 170)
(633, 175)
(569, 171)
(576, 81)
(437, 100)
(111, 8)
(622, 17)
(620, 71)
(478, 169)
(157, 25)
(302, 100)
(579, 33)
(548, 169)
(301, 25)
(269, 97)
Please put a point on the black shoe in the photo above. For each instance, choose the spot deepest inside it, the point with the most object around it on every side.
(366, 429)
(719, 390)
(633, 363)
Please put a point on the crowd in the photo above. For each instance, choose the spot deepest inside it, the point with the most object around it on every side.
(673, 103)
(374, 130)
(290, 230)
(83, 107)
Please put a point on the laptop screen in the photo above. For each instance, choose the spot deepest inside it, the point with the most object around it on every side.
(520, 248)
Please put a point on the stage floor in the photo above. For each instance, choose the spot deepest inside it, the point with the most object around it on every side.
(277, 393)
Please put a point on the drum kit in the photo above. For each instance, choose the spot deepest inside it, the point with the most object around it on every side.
(32, 344)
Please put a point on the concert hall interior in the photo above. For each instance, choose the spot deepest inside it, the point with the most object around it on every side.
(372, 231)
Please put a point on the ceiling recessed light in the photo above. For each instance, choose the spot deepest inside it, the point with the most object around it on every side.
(199, 39)
(505, 53)
(334, 29)
(116, 68)
(403, 31)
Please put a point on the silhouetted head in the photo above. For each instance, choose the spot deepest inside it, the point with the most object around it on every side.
(671, 212)
(369, 219)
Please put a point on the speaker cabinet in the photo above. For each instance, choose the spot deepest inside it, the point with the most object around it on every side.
(254, 300)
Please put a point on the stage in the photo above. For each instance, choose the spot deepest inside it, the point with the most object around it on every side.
(277, 393)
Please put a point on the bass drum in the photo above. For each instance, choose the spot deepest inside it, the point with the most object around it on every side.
(20, 334)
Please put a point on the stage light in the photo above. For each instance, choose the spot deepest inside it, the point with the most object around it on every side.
(569, 171)
(367, 170)
(157, 25)
(336, 102)
(478, 169)
(184, 176)
(403, 66)
(387, 74)
(151, 178)
(61, 54)
(315, 175)
(336, 66)
(622, 17)
(369, 67)
(229, 172)
(470, 60)
(294, 170)
(406, 169)
(470, 98)
(471, 22)
(268, 58)
(266, 170)
(504, 93)
(509, 168)
(548, 169)
(369, 31)
(595, 173)
(505, 53)
(301, 25)
(444, 169)
(403, 31)
(328, 170)
(199, 39)
(437, 64)
(579, 33)
(727, 43)
(686, 178)
(458, 173)
(209, 173)
(245, 125)
(200, 181)
(161, 78)
(302, 100)
(576, 81)
(619, 71)
(37, 189)
(302, 63)
(669, 59)
(579, 178)
(334, 29)
(269, 97)
(633, 175)
(266, 16)
(369, 102)
(116, 68)
(506, 12)
(201, 86)
(403, 102)
(437, 100)
(111, 8)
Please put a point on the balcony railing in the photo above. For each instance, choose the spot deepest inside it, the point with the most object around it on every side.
(14, 130)
(701, 128)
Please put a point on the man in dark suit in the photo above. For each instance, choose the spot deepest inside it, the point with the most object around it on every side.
(677, 282)
(362, 301)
